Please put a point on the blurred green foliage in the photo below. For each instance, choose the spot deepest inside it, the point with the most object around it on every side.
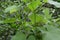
(29, 20)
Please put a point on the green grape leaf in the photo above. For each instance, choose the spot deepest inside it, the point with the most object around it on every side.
(11, 9)
(52, 33)
(34, 4)
(19, 36)
(46, 12)
(1, 21)
(37, 18)
(25, 0)
(31, 38)
(45, 1)
(10, 20)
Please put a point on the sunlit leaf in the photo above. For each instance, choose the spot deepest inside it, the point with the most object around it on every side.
(11, 9)
(45, 1)
(37, 18)
(25, 0)
(34, 4)
(57, 4)
(47, 13)
(10, 20)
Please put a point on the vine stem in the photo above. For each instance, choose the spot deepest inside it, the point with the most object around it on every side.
(34, 18)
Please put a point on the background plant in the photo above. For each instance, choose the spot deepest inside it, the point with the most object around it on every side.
(29, 20)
